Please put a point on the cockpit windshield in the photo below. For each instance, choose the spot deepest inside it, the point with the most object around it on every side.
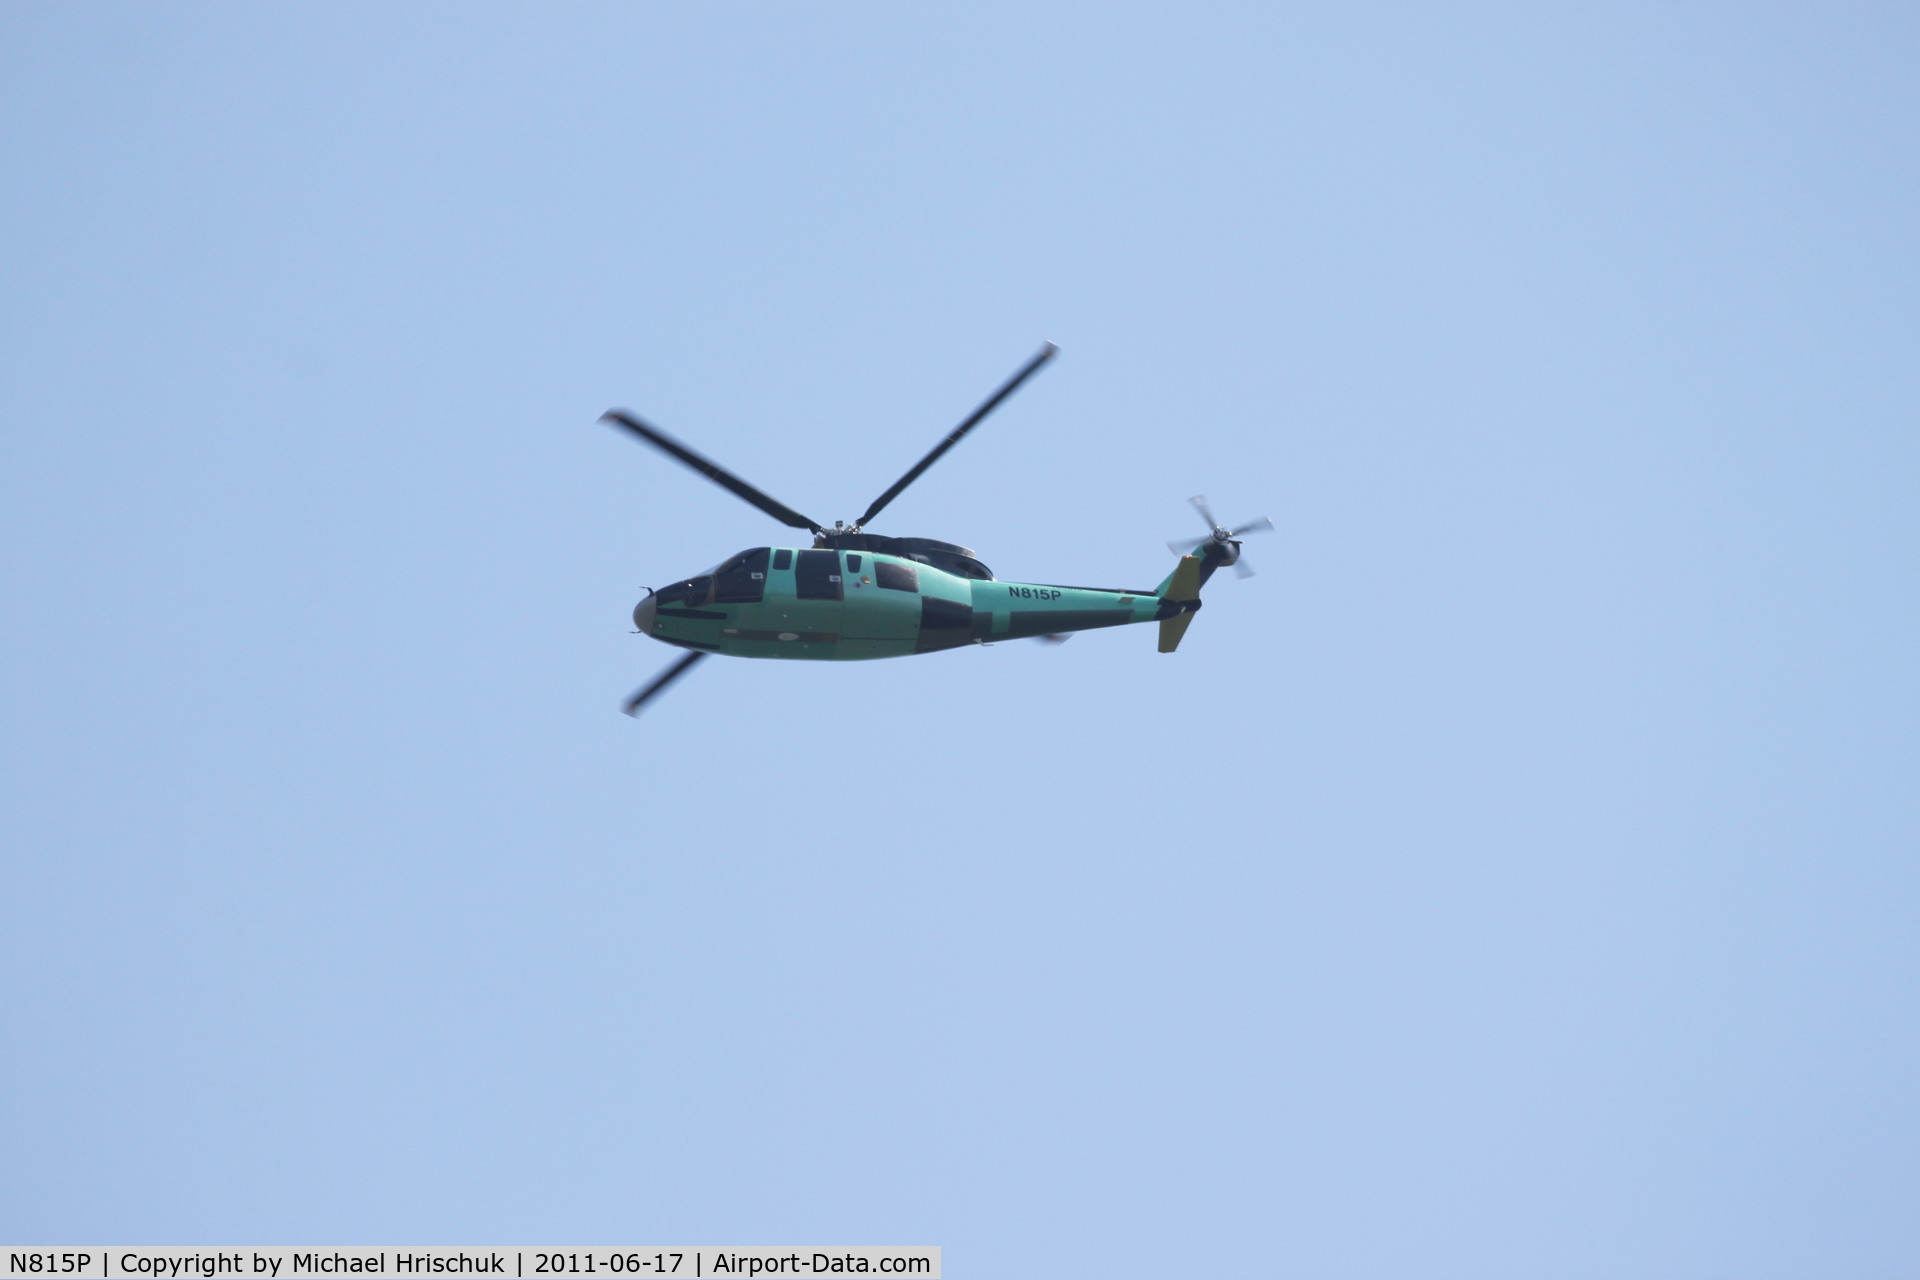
(689, 592)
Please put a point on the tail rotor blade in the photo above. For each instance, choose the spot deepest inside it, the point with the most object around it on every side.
(1223, 542)
(711, 470)
(661, 681)
(987, 406)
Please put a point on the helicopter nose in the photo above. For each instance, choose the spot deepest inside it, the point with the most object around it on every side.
(643, 615)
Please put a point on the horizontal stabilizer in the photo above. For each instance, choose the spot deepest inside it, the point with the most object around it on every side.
(1181, 590)
(1171, 629)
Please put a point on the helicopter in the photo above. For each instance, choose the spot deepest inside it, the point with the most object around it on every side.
(851, 594)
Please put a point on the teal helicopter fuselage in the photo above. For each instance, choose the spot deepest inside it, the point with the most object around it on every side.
(854, 595)
(836, 603)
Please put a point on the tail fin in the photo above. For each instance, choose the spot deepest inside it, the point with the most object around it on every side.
(1179, 598)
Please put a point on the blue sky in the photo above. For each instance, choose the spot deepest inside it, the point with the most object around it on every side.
(1515, 878)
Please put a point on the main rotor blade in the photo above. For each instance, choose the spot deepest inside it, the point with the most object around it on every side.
(711, 470)
(991, 403)
(1253, 526)
(661, 681)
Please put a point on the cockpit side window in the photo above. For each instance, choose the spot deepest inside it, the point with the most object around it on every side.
(895, 576)
(743, 579)
(783, 559)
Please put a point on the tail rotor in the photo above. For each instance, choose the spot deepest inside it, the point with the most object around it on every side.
(1222, 545)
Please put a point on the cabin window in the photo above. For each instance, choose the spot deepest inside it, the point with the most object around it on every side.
(817, 576)
(743, 579)
(853, 564)
(895, 577)
(783, 559)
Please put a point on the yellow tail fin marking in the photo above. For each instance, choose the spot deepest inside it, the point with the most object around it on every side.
(1185, 582)
(1171, 629)
(1184, 585)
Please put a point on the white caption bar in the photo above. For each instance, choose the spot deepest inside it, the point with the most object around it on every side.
(693, 1262)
